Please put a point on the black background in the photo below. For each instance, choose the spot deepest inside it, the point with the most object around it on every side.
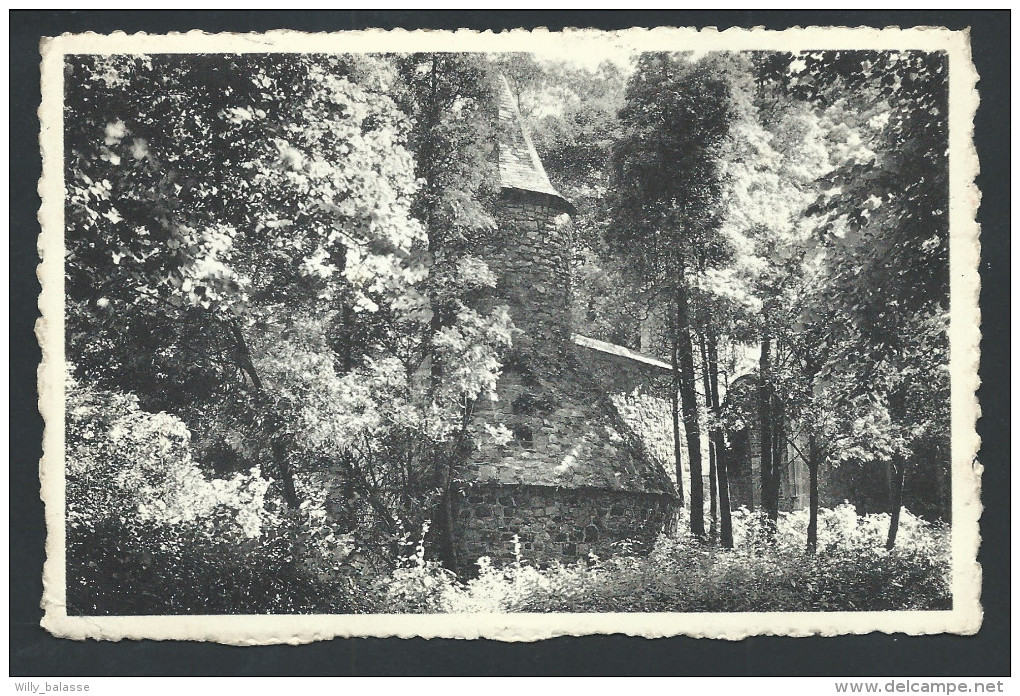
(34, 652)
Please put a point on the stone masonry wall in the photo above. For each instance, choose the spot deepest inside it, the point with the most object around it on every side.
(554, 524)
(564, 433)
(649, 416)
(532, 254)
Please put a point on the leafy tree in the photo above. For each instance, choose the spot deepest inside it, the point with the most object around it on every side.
(574, 126)
(883, 220)
(244, 252)
(771, 290)
(450, 99)
(773, 159)
(123, 461)
(525, 75)
(203, 191)
(891, 209)
(663, 210)
(604, 304)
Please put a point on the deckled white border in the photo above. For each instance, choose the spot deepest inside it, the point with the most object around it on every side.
(964, 334)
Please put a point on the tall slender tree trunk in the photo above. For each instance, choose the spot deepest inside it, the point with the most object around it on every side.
(899, 471)
(713, 454)
(279, 451)
(689, 401)
(674, 402)
(780, 465)
(725, 520)
(447, 473)
(813, 460)
(769, 479)
(713, 490)
(444, 466)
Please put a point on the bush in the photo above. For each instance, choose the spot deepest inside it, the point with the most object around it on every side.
(851, 572)
(149, 533)
(182, 571)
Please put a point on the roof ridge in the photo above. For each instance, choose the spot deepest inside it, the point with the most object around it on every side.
(618, 350)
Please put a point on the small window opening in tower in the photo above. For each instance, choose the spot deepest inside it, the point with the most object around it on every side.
(522, 433)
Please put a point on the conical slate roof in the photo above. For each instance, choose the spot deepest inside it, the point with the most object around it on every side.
(519, 165)
(575, 439)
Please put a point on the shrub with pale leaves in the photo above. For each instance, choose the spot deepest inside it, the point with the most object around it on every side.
(135, 467)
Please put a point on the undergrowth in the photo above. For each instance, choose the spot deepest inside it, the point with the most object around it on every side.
(852, 571)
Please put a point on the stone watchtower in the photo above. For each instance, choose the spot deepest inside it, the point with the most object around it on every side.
(575, 478)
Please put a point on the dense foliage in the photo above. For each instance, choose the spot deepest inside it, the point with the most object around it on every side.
(148, 532)
(853, 573)
(791, 210)
(278, 321)
(252, 251)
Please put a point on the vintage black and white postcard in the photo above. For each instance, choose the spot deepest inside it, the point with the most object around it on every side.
(516, 335)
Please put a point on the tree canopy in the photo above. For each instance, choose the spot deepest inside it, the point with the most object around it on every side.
(262, 246)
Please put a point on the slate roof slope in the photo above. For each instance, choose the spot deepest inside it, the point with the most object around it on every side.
(579, 441)
(519, 165)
